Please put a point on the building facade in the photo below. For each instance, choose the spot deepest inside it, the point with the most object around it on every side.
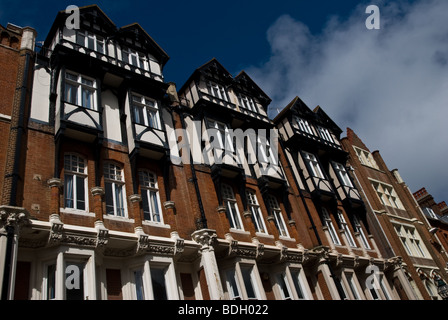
(400, 220)
(120, 185)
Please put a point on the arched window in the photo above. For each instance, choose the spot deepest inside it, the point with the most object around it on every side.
(232, 209)
(150, 196)
(115, 191)
(278, 217)
(254, 207)
(75, 182)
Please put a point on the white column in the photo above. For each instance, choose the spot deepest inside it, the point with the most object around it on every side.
(205, 238)
(60, 277)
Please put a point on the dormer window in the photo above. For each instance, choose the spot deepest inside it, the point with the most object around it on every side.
(134, 58)
(325, 134)
(304, 125)
(217, 91)
(247, 103)
(90, 40)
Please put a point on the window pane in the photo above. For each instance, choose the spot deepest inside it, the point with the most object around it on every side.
(247, 277)
(71, 93)
(139, 290)
(109, 198)
(145, 204)
(87, 98)
(295, 279)
(51, 281)
(80, 39)
(74, 282)
(158, 284)
(119, 200)
(68, 188)
(155, 207)
(80, 193)
(233, 288)
(284, 287)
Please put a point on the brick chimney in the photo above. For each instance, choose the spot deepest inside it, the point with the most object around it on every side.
(443, 208)
(420, 194)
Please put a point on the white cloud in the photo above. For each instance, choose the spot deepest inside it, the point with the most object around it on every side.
(389, 85)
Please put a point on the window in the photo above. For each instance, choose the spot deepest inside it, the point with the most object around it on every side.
(325, 134)
(146, 111)
(139, 287)
(74, 281)
(313, 165)
(75, 182)
(283, 284)
(352, 284)
(134, 58)
(217, 91)
(232, 285)
(249, 282)
(91, 41)
(304, 125)
(150, 196)
(376, 291)
(247, 103)
(430, 213)
(255, 211)
(343, 175)
(359, 229)
(224, 139)
(301, 293)
(387, 194)
(411, 241)
(51, 282)
(80, 90)
(346, 228)
(276, 212)
(232, 210)
(266, 154)
(115, 191)
(366, 158)
(329, 224)
(159, 283)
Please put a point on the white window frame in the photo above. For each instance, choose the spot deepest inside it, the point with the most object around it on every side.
(223, 135)
(358, 228)
(254, 208)
(235, 278)
(134, 58)
(91, 41)
(343, 175)
(325, 134)
(281, 277)
(304, 125)
(411, 240)
(115, 177)
(299, 280)
(75, 170)
(329, 224)
(233, 214)
(276, 212)
(267, 155)
(314, 165)
(352, 282)
(217, 91)
(247, 103)
(430, 212)
(150, 187)
(80, 84)
(148, 109)
(346, 228)
(366, 158)
(387, 195)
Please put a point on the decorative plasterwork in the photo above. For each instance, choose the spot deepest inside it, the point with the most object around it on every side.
(15, 217)
(205, 237)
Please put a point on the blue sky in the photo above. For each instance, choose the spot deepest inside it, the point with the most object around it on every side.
(389, 85)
